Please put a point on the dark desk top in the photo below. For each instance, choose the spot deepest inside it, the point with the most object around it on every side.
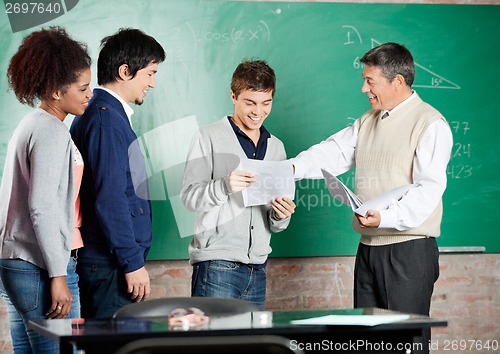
(261, 322)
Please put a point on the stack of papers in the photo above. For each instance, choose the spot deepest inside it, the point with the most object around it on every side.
(352, 320)
(343, 194)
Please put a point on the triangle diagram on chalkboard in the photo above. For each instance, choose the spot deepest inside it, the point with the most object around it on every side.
(425, 78)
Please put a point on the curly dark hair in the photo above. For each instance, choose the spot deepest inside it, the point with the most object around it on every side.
(47, 61)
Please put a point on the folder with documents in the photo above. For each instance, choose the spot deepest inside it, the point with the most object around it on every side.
(342, 193)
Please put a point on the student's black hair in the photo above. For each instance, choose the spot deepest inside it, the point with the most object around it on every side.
(393, 59)
(128, 46)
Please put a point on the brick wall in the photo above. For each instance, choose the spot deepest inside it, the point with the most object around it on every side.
(467, 293)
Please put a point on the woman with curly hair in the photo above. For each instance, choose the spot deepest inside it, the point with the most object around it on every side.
(39, 213)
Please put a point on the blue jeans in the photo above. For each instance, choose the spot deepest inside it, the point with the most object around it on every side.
(25, 289)
(230, 280)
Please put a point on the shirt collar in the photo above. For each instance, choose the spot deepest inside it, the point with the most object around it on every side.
(412, 96)
(126, 107)
(253, 152)
(264, 133)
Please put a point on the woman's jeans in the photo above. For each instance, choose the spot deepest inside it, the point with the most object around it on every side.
(25, 289)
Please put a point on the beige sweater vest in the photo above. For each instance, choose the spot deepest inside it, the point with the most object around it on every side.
(384, 160)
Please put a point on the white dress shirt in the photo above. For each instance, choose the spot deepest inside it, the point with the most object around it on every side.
(337, 155)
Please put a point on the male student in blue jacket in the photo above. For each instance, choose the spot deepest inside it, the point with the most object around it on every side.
(116, 225)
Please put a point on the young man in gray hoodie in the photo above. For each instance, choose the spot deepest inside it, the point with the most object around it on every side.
(231, 243)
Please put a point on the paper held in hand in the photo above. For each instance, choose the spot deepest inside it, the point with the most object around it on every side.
(381, 202)
(274, 179)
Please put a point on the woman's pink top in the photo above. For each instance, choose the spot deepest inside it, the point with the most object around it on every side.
(78, 168)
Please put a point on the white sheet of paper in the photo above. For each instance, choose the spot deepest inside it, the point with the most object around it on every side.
(381, 202)
(273, 179)
(352, 320)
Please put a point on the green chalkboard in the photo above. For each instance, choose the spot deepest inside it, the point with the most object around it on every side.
(315, 50)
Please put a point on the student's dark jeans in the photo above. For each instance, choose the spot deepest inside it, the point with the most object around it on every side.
(103, 289)
(230, 280)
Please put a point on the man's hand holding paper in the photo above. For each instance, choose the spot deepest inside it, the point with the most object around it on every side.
(371, 219)
(283, 207)
(238, 180)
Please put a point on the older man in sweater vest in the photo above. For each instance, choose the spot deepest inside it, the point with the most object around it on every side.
(401, 140)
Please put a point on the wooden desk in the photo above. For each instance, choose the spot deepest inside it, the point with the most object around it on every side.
(106, 336)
